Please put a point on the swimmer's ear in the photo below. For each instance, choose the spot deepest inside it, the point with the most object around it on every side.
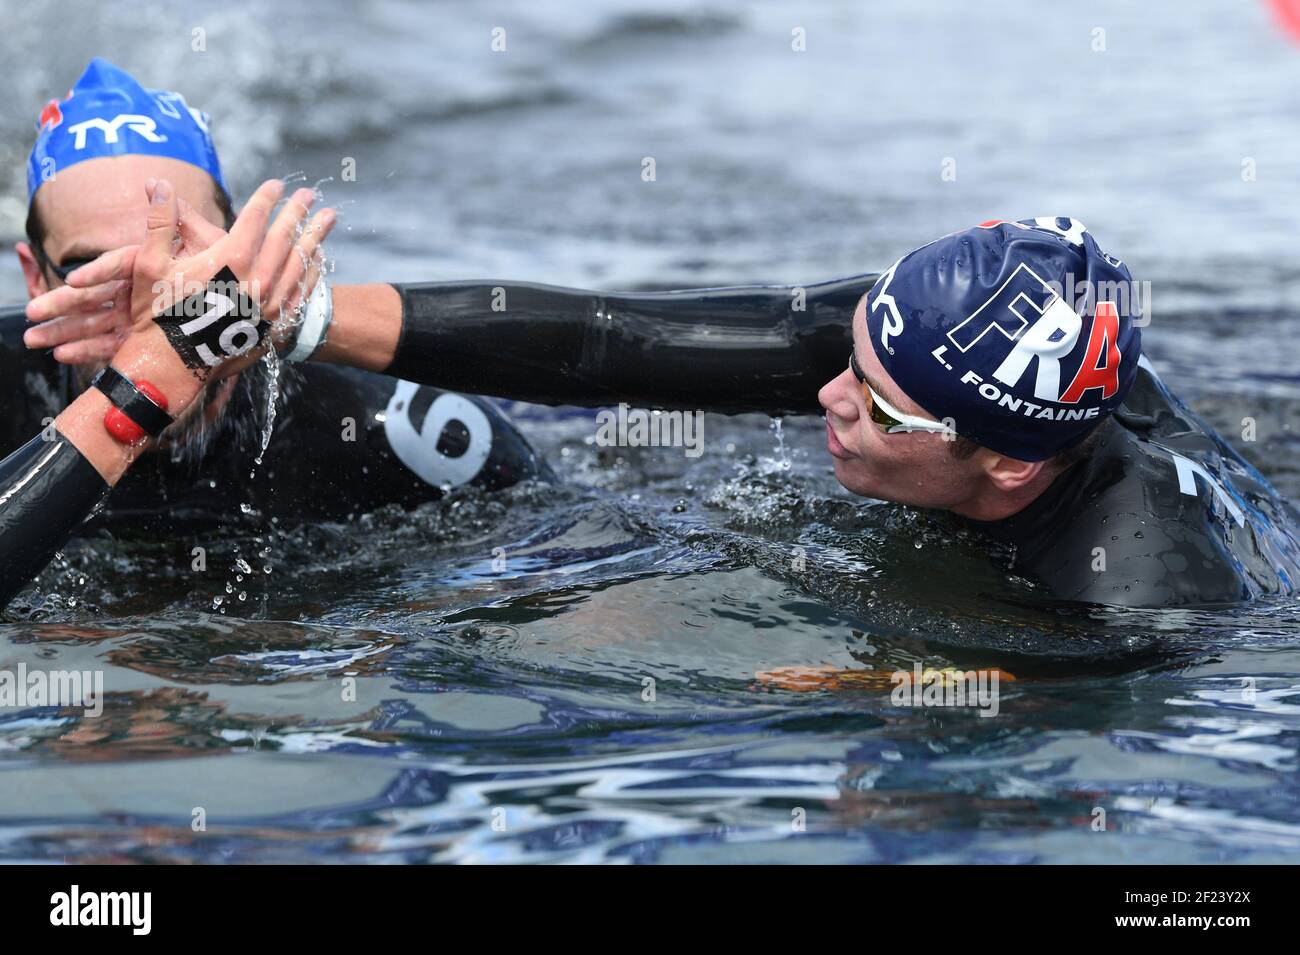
(1008, 474)
(33, 274)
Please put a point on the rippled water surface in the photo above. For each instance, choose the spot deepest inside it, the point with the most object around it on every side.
(583, 671)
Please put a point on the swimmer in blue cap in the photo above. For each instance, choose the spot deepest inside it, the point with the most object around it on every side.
(94, 151)
(119, 167)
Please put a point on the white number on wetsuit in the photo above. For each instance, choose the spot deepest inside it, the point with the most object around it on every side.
(1188, 471)
(418, 449)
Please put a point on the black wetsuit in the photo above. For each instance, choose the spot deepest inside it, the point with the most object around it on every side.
(1163, 513)
(344, 442)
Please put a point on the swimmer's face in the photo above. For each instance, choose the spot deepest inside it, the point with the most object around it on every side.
(916, 468)
(99, 205)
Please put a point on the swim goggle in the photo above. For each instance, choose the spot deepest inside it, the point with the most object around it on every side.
(61, 270)
(888, 418)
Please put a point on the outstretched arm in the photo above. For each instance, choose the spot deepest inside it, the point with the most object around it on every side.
(733, 350)
(766, 348)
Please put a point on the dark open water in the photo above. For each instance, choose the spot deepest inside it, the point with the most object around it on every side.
(502, 715)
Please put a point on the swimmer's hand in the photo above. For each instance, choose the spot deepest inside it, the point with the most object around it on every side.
(814, 679)
(802, 679)
(170, 351)
(88, 319)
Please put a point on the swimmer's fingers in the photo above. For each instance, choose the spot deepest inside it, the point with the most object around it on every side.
(302, 270)
(98, 349)
(197, 233)
(801, 679)
(115, 264)
(811, 679)
(276, 247)
(289, 310)
(66, 300)
(154, 259)
(163, 273)
(112, 316)
(239, 249)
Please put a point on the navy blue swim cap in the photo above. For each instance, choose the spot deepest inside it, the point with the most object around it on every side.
(1023, 335)
(109, 114)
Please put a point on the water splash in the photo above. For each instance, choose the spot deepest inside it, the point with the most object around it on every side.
(782, 461)
(288, 315)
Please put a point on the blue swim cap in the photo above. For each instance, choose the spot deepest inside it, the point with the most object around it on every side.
(109, 114)
(1023, 334)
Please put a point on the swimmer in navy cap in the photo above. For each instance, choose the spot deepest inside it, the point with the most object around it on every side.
(972, 380)
(997, 373)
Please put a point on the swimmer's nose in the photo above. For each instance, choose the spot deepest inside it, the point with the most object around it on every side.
(837, 397)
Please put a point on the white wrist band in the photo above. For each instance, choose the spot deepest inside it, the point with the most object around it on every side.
(316, 318)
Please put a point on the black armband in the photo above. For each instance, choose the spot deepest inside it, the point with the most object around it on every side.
(47, 488)
(733, 350)
(131, 401)
(212, 325)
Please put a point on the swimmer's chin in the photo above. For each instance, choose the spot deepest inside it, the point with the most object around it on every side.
(844, 473)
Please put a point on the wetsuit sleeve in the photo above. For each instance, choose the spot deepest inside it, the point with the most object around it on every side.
(47, 488)
(34, 388)
(732, 350)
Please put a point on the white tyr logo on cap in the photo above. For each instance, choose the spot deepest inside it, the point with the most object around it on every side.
(893, 322)
(142, 125)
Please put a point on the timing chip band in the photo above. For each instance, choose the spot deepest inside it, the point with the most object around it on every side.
(212, 325)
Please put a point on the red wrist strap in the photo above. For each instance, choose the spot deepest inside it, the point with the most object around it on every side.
(121, 427)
